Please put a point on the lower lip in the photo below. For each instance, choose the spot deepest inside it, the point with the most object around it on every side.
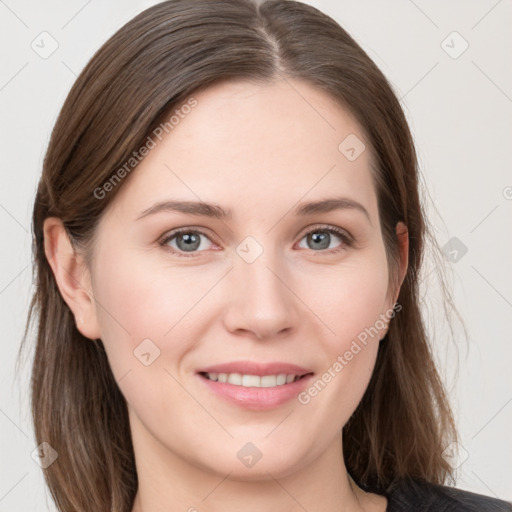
(257, 399)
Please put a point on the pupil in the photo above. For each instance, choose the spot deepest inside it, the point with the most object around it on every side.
(191, 241)
(321, 238)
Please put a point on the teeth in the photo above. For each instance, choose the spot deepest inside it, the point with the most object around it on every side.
(250, 381)
(235, 378)
(253, 381)
(268, 381)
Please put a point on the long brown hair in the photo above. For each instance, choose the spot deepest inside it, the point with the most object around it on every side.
(145, 71)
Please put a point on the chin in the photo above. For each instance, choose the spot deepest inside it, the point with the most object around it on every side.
(247, 461)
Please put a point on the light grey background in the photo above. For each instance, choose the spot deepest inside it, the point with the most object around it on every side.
(460, 112)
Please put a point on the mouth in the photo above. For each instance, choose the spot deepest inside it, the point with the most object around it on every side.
(253, 381)
(255, 386)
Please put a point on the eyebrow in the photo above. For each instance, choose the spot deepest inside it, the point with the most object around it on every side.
(216, 211)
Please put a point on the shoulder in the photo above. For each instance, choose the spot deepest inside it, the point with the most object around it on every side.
(420, 496)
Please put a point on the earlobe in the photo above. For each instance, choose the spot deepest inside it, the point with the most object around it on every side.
(72, 277)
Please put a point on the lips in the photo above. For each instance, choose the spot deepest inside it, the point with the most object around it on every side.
(256, 386)
(253, 368)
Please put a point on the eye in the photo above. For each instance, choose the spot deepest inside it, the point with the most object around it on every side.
(185, 240)
(320, 238)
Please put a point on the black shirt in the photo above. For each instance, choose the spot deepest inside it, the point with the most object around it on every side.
(418, 496)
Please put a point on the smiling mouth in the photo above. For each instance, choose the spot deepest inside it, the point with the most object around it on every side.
(254, 381)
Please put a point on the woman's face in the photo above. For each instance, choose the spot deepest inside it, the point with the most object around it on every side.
(250, 290)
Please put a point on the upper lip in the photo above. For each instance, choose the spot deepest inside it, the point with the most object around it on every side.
(254, 368)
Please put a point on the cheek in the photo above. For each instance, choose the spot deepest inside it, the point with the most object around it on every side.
(349, 299)
(136, 308)
(149, 309)
(352, 303)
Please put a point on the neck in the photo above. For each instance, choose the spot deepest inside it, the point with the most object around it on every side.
(168, 482)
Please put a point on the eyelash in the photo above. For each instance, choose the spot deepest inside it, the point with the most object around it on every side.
(347, 240)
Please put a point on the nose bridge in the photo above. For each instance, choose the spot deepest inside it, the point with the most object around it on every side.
(257, 267)
(261, 301)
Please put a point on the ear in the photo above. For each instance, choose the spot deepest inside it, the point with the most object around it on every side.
(402, 235)
(72, 277)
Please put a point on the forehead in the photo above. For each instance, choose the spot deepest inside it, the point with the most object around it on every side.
(250, 144)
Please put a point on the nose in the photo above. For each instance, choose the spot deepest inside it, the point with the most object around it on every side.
(262, 300)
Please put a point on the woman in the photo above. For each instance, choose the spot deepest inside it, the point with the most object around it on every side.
(195, 350)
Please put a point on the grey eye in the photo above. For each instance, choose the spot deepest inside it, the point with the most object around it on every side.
(186, 241)
(320, 239)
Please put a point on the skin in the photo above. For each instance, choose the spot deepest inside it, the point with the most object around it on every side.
(259, 150)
